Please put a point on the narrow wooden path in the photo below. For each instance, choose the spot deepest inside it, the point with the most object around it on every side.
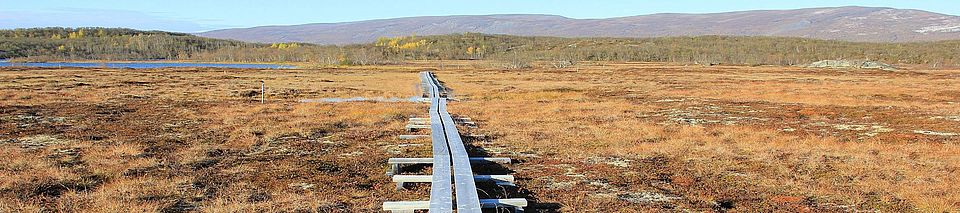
(453, 177)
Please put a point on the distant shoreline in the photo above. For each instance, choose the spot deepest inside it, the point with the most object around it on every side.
(146, 64)
(144, 61)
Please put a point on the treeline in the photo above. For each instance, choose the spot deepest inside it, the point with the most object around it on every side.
(61, 32)
(698, 49)
(54, 44)
(45, 44)
(305, 53)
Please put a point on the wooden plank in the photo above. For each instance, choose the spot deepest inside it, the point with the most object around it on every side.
(468, 201)
(419, 122)
(429, 178)
(460, 119)
(512, 202)
(405, 205)
(449, 154)
(396, 163)
(473, 160)
(408, 137)
(440, 91)
(411, 127)
(424, 125)
(485, 203)
(417, 126)
(441, 198)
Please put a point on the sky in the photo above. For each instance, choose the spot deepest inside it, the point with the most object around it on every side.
(205, 15)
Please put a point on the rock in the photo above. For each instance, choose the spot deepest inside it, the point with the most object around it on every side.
(38, 141)
(852, 64)
(877, 65)
(831, 64)
(24, 121)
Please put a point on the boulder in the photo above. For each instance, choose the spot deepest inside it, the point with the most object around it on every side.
(852, 64)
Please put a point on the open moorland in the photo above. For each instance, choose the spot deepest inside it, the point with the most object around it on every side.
(595, 137)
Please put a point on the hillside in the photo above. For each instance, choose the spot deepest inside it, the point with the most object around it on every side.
(866, 24)
(64, 44)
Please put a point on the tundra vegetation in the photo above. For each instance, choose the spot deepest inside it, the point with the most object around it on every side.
(597, 138)
(593, 134)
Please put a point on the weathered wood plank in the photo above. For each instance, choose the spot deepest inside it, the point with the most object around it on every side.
(466, 188)
(502, 180)
(513, 202)
(397, 163)
(409, 137)
(473, 160)
(429, 178)
(405, 205)
(411, 127)
(441, 198)
(485, 203)
(419, 122)
(458, 120)
(449, 154)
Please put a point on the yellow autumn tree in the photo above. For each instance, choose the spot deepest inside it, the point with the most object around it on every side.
(284, 45)
(413, 45)
(383, 41)
(77, 34)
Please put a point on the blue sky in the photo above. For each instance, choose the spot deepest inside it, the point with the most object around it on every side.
(203, 15)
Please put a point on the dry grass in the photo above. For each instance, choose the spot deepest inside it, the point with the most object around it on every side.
(725, 137)
(593, 138)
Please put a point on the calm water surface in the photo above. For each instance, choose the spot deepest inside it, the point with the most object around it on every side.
(141, 65)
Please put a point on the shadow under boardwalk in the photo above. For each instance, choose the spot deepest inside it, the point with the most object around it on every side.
(492, 190)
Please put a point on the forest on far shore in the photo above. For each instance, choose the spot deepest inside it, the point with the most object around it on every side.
(117, 44)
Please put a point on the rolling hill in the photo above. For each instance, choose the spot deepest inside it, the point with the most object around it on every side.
(865, 24)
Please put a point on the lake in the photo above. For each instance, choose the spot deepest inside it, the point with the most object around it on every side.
(141, 65)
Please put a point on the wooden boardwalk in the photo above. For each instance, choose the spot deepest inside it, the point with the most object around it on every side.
(453, 177)
(441, 199)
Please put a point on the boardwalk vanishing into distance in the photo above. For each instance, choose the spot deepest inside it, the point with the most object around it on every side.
(453, 180)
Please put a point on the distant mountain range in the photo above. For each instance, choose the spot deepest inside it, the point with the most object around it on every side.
(870, 24)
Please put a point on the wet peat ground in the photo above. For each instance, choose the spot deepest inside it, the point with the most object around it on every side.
(609, 137)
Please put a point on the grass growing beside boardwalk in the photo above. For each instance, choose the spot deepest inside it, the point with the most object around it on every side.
(186, 139)
(716, 138)
(604, 137)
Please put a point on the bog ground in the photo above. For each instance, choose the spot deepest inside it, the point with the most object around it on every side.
(588, 138)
